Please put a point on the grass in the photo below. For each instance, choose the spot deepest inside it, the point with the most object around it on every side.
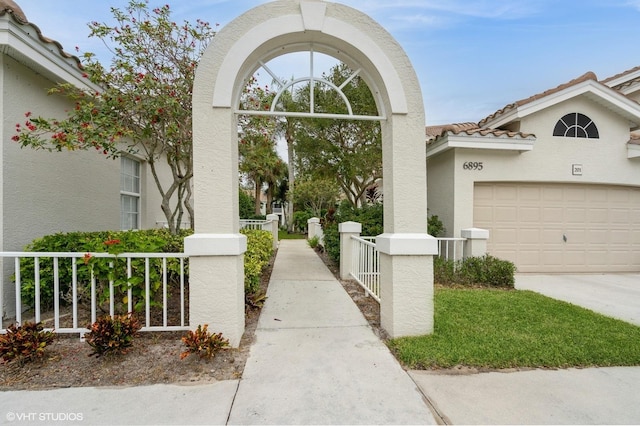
(284, 235)
(508, 329)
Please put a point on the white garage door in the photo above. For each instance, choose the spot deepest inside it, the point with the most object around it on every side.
(561, 227)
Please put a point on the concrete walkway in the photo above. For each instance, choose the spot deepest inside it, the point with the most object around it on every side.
(316, 360)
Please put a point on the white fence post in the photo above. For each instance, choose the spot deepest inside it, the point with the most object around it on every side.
(347, 229)
(312, 224)
(275, 225)
(476, 242)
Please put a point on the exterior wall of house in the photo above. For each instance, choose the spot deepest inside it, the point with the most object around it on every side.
(441, 193)
(603, 160)
(46, 192)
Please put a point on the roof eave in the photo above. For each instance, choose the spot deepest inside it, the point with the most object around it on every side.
(633, 150)
(622, 79)
(615, 101)
(499, 143)
(20, 43)
(503, 119)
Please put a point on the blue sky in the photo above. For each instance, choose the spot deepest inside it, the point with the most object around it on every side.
(472, 57)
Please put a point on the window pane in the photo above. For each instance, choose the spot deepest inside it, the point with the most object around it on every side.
(130, 175)
(128, 212)
(559, 129)
(576, 125)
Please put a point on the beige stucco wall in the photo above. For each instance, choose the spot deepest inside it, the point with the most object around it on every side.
(151, 215)
(47, 192)
(441, 189)
(603, 160)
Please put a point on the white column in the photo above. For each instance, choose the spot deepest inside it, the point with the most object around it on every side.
(347, 230)
(275, 225)
(216, 250)
(406, 277)
(476, 243)
(312, 224)
(216, 283)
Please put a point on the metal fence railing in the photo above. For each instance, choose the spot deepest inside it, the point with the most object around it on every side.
(365, 262)
(365, 265)
(451, 248)
(264, 225)
(68, 291)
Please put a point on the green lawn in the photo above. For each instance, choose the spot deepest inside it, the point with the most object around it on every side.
(284, 235)
(505, 329)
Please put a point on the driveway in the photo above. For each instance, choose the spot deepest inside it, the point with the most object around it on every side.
(614, 295)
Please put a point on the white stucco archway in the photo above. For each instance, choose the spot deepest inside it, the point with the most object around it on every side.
(216, 249)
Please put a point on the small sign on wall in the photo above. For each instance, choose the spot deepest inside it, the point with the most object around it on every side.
(576, 169)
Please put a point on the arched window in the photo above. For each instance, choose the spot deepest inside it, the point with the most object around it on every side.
(576, 125)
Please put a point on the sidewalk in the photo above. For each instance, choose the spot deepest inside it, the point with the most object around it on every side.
(316, 360)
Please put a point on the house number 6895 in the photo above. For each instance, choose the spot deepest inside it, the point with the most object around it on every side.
(473, 165)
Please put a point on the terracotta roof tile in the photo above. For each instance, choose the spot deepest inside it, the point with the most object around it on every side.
(585, 77)
(605, 81)
(469, 129)
(10, 7)
(635, 139)
(491, 132)
(627, 83)
(435, 131)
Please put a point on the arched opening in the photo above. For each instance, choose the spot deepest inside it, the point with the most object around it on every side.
(244, 45)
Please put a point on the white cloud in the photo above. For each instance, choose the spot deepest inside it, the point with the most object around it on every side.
(634, 4)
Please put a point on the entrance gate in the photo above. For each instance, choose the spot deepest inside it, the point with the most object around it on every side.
(216, 294)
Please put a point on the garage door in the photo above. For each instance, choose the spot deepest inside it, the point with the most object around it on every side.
(561, 227)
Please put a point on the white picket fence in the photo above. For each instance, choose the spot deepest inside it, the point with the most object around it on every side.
(141, 274)
(365, 262)
(153, 277)
(264, 225)
(451, 248)
(365, 265)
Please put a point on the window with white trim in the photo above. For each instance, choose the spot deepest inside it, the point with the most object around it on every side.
(576, 125)
(129, 193)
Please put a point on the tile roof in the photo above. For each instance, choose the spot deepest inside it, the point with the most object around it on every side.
(470, 129)
(627, 83)
(435, 131)
(622, 74)
(10, 7)
(635, 139)
(585, 77)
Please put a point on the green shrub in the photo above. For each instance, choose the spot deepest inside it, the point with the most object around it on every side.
(370, 216)
(443, 271)
(115, 242)
(246, 205)
(203, 343)
(112, 335)
(435, 227)
(485, 271)
(256, 258)
(301, 220)
(314, 242)
(24, 343)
